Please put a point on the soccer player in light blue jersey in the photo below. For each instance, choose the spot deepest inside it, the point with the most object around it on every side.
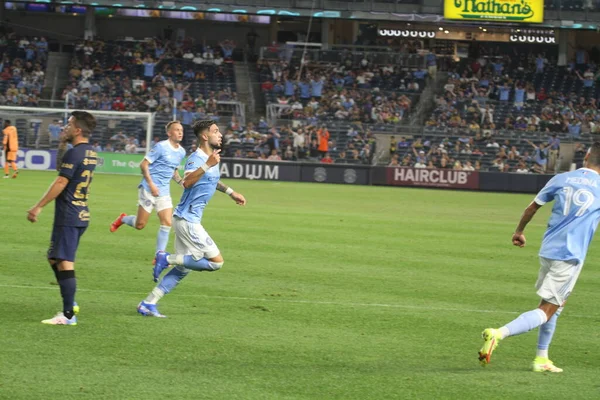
(194, 249)
(158, 168)
(570, 230)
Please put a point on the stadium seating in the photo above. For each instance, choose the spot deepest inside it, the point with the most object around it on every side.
(22, 70)
(355, 89)
(114, 76)
(123, 61)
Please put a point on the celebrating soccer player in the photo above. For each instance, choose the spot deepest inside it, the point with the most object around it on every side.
(158, 168)
(194, 248)
(71, 213)
(574, 220)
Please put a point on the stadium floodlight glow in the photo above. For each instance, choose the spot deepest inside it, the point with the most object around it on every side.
(214, 10)
(117, 5)
(240, 11)
(268, 12)
(140, 6)
(188, 8)
(327, 14)
(288, 13)
(42, 1)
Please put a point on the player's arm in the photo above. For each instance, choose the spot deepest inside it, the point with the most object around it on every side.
(177, 178)
(62, 150)
(67, 169)
(145, 167)
(192, 176)
(545, 195)
(237, 197)
(518, 238)
(59, 184)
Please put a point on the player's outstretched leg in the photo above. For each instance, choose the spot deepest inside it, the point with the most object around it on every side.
(116, 224)
(138, 221)
(523, 323)
(164, 259)
(542, 362)
(148, 306)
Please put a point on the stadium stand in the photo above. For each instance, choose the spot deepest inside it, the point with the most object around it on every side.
(147, 75)
(370, 87)
(22, 69)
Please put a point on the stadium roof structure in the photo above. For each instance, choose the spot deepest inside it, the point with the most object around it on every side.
(380, 10)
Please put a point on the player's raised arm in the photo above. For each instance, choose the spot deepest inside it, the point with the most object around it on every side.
(237, 197)
(62, 150)
(191, 178)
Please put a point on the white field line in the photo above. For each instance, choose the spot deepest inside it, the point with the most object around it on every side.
(314, 302)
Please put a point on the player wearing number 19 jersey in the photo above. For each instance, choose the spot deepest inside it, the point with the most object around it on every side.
(575, 217)
(71, 215)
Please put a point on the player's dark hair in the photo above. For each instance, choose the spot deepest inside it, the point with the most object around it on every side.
(594, 155)
(170, 124)
(201, 126)
(7, 121)
(84, 121)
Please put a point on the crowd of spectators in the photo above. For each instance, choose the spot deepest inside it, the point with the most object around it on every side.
(148, 75)
(367, 93)
(22, 69)
(297, 143)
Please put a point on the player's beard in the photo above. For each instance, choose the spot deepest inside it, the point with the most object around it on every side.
(216, 146)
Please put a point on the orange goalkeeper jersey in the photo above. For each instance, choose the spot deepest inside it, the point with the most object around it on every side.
(11, 140)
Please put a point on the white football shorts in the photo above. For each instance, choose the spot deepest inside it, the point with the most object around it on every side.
(192, 239)
(149, 202)
(556, 280)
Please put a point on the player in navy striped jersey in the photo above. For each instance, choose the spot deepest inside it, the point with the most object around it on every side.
(71, 213)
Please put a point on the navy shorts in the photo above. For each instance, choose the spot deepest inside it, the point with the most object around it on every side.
(64, 242)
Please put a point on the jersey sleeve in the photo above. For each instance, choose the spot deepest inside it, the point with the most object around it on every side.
(549, 191)
(193, 163)
(69, 164)
(154, 154)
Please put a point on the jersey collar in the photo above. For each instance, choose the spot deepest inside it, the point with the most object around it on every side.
(171, 146)
(588, 169)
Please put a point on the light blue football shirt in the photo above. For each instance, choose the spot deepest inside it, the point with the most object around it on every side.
(194, 199)
(575, 214)
(164, 159)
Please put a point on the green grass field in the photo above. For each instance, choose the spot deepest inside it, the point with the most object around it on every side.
(327, 292)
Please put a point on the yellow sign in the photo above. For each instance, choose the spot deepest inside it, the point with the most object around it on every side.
(525, 11)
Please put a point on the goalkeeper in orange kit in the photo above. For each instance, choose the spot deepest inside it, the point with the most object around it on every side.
(10, 145)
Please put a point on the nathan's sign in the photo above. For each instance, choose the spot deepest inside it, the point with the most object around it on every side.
(526, 11)
(405, 176)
